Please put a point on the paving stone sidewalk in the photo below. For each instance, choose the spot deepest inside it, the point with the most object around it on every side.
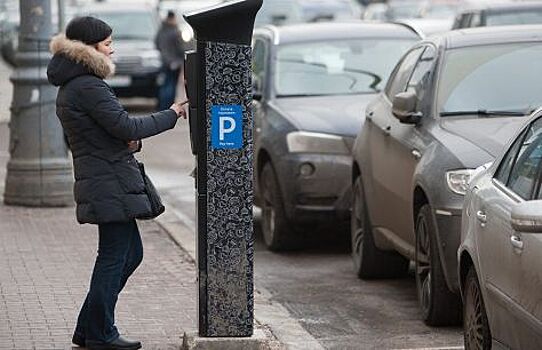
(45, 265)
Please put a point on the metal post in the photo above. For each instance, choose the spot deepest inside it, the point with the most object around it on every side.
(220, 92)
(39, 171)
(61, 15)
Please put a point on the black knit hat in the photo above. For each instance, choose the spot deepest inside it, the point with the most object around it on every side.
(88, 29)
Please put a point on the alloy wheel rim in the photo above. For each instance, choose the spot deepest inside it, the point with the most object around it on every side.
(474, 337)
(423, 265)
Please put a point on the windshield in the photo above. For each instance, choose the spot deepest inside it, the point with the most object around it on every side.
(527, 16)
(313, 11)
(336, 67)
(278, 12)
(130, 25)
(502, 77)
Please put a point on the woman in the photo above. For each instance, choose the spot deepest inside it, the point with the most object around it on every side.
(109, 188)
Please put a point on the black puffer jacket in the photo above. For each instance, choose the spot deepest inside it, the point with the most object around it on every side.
(108, 183)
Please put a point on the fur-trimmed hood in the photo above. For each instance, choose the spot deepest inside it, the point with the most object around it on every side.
(73, 58)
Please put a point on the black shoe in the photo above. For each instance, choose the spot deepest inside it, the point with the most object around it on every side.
(78, 340)
(120, 343)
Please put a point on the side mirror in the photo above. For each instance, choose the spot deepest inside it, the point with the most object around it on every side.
(404, 107)
(527, 217)
(256, 88)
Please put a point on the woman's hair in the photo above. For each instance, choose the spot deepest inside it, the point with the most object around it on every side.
(89, 30)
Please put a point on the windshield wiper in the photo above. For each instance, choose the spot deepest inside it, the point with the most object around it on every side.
(483, 113)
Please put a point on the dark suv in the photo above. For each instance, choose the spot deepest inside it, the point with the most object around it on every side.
(312, 81)
(450, 105)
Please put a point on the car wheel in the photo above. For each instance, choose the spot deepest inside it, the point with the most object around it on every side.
(275, 227)
(475, 325)
(369, 260)
(440, 307)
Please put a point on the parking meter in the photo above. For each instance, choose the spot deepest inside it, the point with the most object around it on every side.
(219, 88)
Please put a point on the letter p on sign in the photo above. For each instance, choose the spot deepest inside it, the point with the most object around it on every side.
(227, 127)
(223, 130)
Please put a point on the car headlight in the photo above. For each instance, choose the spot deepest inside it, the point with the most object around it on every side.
(187, 34)
(458, 180)
(151, 59)
(312, 142)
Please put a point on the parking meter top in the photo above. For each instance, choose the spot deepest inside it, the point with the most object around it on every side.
(226, 23)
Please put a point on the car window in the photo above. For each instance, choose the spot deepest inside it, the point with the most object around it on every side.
(499, 77)
(259, 60)
(524, 16)
(123, 24)
(503, 173)
(526, 170)
(464, 21)
(336, 67)
(476, 20)
(402, 73)
(421, 75)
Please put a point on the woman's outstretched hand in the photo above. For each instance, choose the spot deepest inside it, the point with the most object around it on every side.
(178, 107)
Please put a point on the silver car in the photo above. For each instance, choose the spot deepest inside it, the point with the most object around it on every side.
(500, 257)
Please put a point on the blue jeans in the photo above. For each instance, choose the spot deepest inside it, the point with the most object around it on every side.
(168, 90)
(120, 251)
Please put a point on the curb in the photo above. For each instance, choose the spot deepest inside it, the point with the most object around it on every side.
(280, 329)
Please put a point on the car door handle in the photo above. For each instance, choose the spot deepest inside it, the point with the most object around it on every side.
(416, 154)
(481, 216)
(516, 242)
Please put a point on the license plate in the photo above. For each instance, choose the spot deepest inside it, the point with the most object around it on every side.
(119, 81)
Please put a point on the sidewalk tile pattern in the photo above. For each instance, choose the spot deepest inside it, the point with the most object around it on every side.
(46, 260)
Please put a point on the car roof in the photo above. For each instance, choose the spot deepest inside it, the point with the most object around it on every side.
(336, 30)
(489, 35)
(495, 6)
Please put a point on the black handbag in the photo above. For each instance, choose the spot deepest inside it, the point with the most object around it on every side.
(157, 207)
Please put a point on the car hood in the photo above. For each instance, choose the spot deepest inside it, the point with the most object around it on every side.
(490, 134)
(340, 114)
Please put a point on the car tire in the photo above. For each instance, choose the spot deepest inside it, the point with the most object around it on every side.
(439, 306)
(476, 330)
(370, 262)
(276, 231)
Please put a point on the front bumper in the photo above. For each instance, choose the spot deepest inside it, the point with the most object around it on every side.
(449, 237)
(321, 197)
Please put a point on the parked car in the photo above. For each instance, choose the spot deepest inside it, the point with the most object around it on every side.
(283, 12)
(138, 62)
(311, 83)
(450, 105)
(498, 14)
(376, 12)
(500, 270)
(404, 9)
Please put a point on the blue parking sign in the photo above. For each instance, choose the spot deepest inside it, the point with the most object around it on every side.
(227, 127)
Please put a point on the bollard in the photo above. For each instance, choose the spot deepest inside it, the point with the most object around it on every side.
(219, 88)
